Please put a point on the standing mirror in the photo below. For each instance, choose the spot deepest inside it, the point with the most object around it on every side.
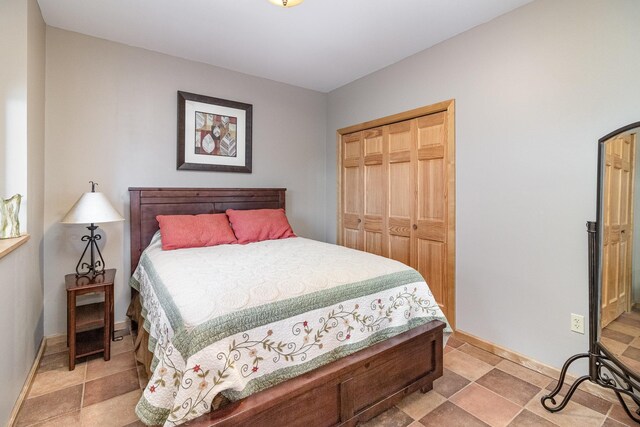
(614, 277)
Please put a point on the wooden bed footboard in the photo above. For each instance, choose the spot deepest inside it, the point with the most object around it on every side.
(346, 392)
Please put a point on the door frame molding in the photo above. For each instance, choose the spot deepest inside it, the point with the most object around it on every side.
(444, 106)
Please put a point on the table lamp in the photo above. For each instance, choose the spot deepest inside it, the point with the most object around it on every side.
(91, 208)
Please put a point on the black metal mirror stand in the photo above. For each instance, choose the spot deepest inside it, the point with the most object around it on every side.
(604, 369)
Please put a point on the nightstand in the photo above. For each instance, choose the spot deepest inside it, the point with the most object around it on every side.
(89, 326)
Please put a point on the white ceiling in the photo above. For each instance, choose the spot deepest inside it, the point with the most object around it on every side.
(320, 45)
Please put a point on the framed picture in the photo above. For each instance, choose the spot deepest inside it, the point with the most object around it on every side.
(213, 134)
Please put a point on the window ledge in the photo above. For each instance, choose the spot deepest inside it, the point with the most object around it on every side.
(9, 245)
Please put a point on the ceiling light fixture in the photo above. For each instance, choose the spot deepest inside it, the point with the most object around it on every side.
(286, 3)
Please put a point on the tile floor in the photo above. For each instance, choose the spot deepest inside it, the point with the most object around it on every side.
(622, 337)
(95, 393)
(477, 389)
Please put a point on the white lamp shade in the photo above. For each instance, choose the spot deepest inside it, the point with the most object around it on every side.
(92, 207)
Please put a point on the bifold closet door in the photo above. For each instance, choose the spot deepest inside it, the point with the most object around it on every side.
(416, 231)
(397, 193)
(400, 187)
(375, 198)
(430, 224)
(363, 195)
(352, 191)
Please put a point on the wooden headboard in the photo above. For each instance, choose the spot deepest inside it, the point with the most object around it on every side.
(146, 203)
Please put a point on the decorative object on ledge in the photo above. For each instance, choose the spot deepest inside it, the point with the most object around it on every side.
(9, 221)
(610, 266)
(91, 208)
(213, 134)
(286, 3)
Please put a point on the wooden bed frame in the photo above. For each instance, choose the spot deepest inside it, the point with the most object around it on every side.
(346, 392)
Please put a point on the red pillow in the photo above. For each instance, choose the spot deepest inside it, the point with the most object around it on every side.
(259, 224)
(194, 231)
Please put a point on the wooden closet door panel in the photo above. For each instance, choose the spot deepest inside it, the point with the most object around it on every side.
(430, 257)
(400, 188)
(613, 279)
(352, 190)
(624, 272)
(374, 195)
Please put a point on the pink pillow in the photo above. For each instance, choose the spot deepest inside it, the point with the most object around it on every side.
(259, 224)
(194, 231)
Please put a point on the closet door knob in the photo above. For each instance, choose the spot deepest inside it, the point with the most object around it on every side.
(415, 227)
(359, 220)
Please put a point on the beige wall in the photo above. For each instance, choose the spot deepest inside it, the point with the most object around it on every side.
(111, 117)
(534, 91)
(22, 43)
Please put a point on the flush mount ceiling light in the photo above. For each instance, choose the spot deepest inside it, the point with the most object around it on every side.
(286, 3)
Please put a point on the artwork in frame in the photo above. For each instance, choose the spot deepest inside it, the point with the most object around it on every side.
(213, 134)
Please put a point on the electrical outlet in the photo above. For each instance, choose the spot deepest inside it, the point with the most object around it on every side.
(577, 323)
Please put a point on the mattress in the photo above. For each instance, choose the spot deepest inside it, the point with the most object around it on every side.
(236, 319)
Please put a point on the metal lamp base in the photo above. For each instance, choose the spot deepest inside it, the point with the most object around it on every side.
(96, 266)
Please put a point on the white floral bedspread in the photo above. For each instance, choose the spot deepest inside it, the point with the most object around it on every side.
(236, 319)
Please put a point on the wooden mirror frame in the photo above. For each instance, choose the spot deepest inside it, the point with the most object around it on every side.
(604, 368)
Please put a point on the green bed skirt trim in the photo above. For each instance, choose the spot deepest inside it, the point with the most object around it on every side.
(149, 414)
(214, 330)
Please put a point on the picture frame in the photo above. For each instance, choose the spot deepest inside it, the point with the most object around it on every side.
(214, 134)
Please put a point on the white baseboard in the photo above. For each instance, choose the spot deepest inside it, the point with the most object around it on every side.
(532, 364)
(27, 383)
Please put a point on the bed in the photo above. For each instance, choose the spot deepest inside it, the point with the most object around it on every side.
(367, 342)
